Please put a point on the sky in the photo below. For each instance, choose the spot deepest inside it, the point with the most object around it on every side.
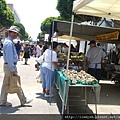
(33, 12)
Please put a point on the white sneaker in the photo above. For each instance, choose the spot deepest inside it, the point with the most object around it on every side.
(43, 93)
(27, 101)
(7, 104)
(50, 95)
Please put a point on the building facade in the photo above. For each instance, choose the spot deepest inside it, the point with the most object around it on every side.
(17, 18)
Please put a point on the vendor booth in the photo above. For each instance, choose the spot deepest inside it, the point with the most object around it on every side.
(85, 33)
(106, 9)
(81, 32)
(78, 31)
(64, 82)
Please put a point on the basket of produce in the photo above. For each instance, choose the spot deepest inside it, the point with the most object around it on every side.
(79, 77)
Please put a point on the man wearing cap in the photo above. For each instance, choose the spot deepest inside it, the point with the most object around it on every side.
(95, 55)
(10, 61)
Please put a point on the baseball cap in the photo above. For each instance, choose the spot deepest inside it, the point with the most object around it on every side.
(92, 42)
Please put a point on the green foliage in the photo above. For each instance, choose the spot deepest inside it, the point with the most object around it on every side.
(26, 36)
(38, 37)
(22, 30)
(9, 17)
(6, 15)
(3, 6)
(45, 25)
(65, 9)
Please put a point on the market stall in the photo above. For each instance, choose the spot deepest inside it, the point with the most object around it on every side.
(61, 29)
(106, 9)
(82, 32)
(65, 80)
(111, 65)
(76, 61)
(78, 32)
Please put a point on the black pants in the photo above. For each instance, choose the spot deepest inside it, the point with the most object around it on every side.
(96, 73)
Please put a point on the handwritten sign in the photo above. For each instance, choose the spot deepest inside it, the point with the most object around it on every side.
(109, 36)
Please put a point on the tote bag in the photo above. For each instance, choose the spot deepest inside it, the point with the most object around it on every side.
(13, 84)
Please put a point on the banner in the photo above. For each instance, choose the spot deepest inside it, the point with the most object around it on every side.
(109, 36)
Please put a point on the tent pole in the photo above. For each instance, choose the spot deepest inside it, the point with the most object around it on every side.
(85, 47)
(71, 29)
(64, 94)
(51, 61)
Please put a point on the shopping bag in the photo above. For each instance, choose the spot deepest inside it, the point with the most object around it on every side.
(13, 84)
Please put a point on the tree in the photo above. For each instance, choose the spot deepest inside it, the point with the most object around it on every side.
(38, 37)
(9, 18)
(65, 9)
(26, 36)
(22, 30)
(6, 15)
(45, 25)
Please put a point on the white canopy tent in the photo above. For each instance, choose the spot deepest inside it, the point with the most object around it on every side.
(100, 8)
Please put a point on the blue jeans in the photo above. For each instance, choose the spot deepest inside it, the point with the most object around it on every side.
(47, 77)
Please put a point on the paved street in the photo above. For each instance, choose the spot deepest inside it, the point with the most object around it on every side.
(109, 98)
(32, 89)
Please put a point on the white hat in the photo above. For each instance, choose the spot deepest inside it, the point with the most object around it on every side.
(14, 29)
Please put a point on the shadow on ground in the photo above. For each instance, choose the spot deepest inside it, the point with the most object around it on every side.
(49, 100)
(110, 94)
(7, 110)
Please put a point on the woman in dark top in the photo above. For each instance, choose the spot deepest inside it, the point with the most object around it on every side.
(26, 53)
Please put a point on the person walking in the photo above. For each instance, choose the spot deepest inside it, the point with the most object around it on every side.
(38, 49)
(18, 48)
(10, 69)
(26, 55)
(95, 56)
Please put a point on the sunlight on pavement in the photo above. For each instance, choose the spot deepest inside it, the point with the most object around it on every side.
(1, 70)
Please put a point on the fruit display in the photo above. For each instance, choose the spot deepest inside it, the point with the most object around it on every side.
(76, 61)
(77, 57)
(79, 77)
(62, 55)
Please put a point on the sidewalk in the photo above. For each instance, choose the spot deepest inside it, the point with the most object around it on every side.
(32, 89)
(41, 106)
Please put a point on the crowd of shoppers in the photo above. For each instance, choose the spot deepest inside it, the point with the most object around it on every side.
(12, 53)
